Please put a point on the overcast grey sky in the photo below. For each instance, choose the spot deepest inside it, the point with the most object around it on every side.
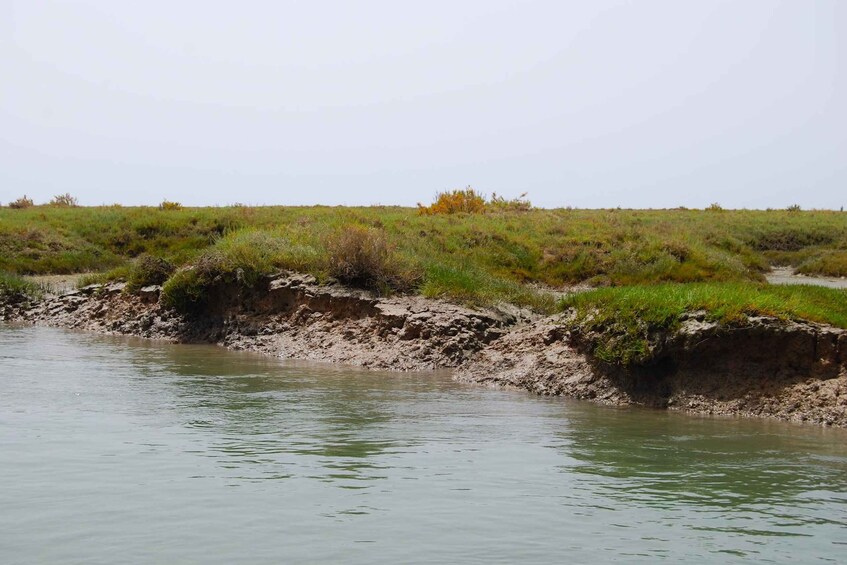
(589, 103)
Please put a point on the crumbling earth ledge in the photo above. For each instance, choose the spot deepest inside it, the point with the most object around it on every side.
(766, 367)
(288, 316)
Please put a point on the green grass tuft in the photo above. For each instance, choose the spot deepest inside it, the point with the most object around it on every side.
(148, 270)
(17, 289)
(240, 258)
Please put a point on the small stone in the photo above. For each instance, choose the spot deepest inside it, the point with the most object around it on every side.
(91, 288)
(114, 288)
(150, 293)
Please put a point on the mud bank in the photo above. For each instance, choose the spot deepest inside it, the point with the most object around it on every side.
(767, 368)
(289, 317)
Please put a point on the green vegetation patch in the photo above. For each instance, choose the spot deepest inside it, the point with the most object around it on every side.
(118, 274)
(623, 324)
(363, 257)
(499, 255)
(148, 270)
(828, 263)
(16, 289)
(241, 258)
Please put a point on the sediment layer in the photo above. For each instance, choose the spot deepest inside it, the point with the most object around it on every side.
(766, 367)
(290, 317)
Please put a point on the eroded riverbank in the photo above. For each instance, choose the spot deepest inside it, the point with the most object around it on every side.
(765, 367)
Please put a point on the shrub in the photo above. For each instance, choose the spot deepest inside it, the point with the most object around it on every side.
(64, 201)
(362, 257)
(22, 202)
(794, 208)
(468, 201)
(168, 205)
(189, 289)
(714, 207)
(148, 270)
(519, 204)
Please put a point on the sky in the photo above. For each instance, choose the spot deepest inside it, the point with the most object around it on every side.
(638, 104)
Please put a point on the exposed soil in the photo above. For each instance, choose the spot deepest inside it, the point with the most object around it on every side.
(787, 370)
(290, 317)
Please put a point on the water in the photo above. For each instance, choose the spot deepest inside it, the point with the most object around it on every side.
(785, 275)
(123, 451)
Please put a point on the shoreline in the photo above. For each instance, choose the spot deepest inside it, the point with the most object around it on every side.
(791, 371)
(787, 275)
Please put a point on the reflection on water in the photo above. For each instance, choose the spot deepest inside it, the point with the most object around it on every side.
(675, 459)
(752, 480)
(167, 453)
(257, 417)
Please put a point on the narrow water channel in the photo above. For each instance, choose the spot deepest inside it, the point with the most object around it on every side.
(119, 450)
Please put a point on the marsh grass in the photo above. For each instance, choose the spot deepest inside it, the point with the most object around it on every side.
(21, 203)
(64, 201)
(240, 258)
(624, 321)
(117, 274)
(831, 263)
(147, 270)
(16, 288)
(363, 257)
(483, 258)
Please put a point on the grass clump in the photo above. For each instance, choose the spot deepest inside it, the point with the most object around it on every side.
(355, 255)
(624, 326)
(501, 204)
(240, 259)
(168, 205)
(828, 263)
(474, 287)
(118, 274)
(363, 257)
(148, 270)
(64, 201)
(14, 288)
(21, 203)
